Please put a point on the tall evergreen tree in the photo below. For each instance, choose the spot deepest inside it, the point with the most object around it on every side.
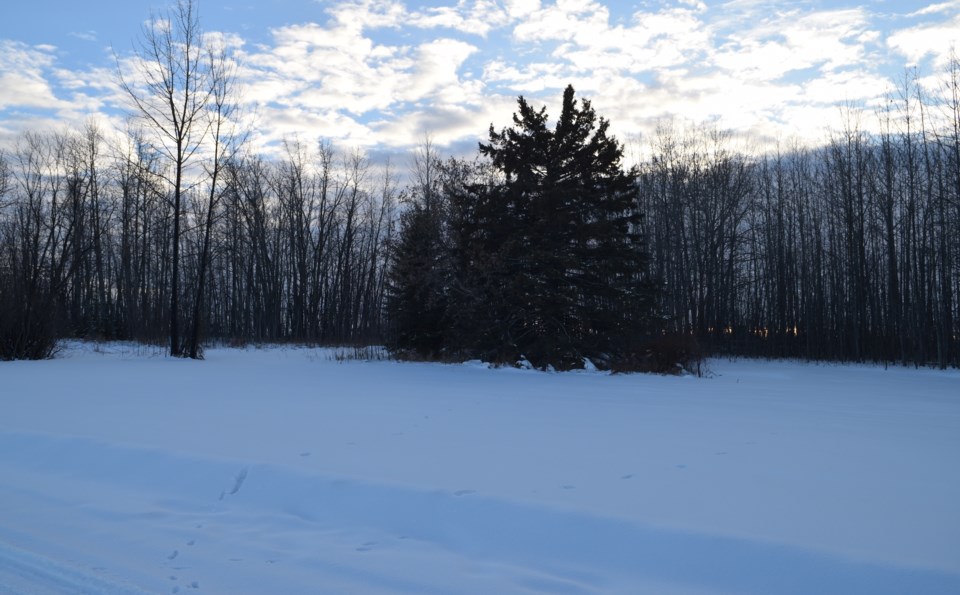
(416, 295)
(418, 279)
(560, 238)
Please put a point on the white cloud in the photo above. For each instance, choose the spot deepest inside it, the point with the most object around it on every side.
(38, 94)
(341, 83)
(694, 64)
(382, 72)
(518, 9)
(368, 14)
(85, 35)
(562, 21)
(934, 39)
(936, 8)
(23, 81)
(475, 18)
(446, 125)
(436, 72)
(845, 86)
(790, 41)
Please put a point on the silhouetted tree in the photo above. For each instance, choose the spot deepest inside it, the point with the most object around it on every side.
(547, 252)
(578, 270)
(173, 81)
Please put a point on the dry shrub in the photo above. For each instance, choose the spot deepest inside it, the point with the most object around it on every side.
(663, 354)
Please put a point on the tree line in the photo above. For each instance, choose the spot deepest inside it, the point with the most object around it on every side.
(295, 249)
(846, 251)
(545, 244)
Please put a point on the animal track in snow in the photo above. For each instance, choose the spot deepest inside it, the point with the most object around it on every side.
(238, 482)
(366, 547)
(173, 554)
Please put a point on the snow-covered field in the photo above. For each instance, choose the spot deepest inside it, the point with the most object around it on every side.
(284, 471)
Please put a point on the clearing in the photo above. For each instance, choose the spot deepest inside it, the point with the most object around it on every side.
(282, 470)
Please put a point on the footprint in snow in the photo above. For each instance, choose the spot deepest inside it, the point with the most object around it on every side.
(173, 554)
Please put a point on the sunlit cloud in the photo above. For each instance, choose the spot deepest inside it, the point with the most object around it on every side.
(478, 17)
(381, 73)
(23, 76)
(84, 35)
(933, 9)
(937, 39)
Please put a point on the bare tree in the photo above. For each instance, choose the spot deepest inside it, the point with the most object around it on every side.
(224, 141)
(5, 176)
(171, 83)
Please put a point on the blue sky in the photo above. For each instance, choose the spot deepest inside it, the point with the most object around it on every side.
(379, 74)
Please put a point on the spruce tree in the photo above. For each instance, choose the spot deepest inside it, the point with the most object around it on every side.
(534, 253)
(416, 296)
(568, 243)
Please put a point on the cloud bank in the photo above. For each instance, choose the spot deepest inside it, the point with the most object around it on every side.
(380, 74)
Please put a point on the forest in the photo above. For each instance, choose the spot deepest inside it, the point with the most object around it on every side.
(177, 231)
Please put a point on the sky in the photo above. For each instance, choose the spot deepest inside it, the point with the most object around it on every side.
(382, 74)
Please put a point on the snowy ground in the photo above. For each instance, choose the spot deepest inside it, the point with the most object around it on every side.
(284, 471)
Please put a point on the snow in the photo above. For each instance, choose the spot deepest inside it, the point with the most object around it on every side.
(284, 470)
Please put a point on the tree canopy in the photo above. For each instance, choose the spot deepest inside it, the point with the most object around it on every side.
(545, 252)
